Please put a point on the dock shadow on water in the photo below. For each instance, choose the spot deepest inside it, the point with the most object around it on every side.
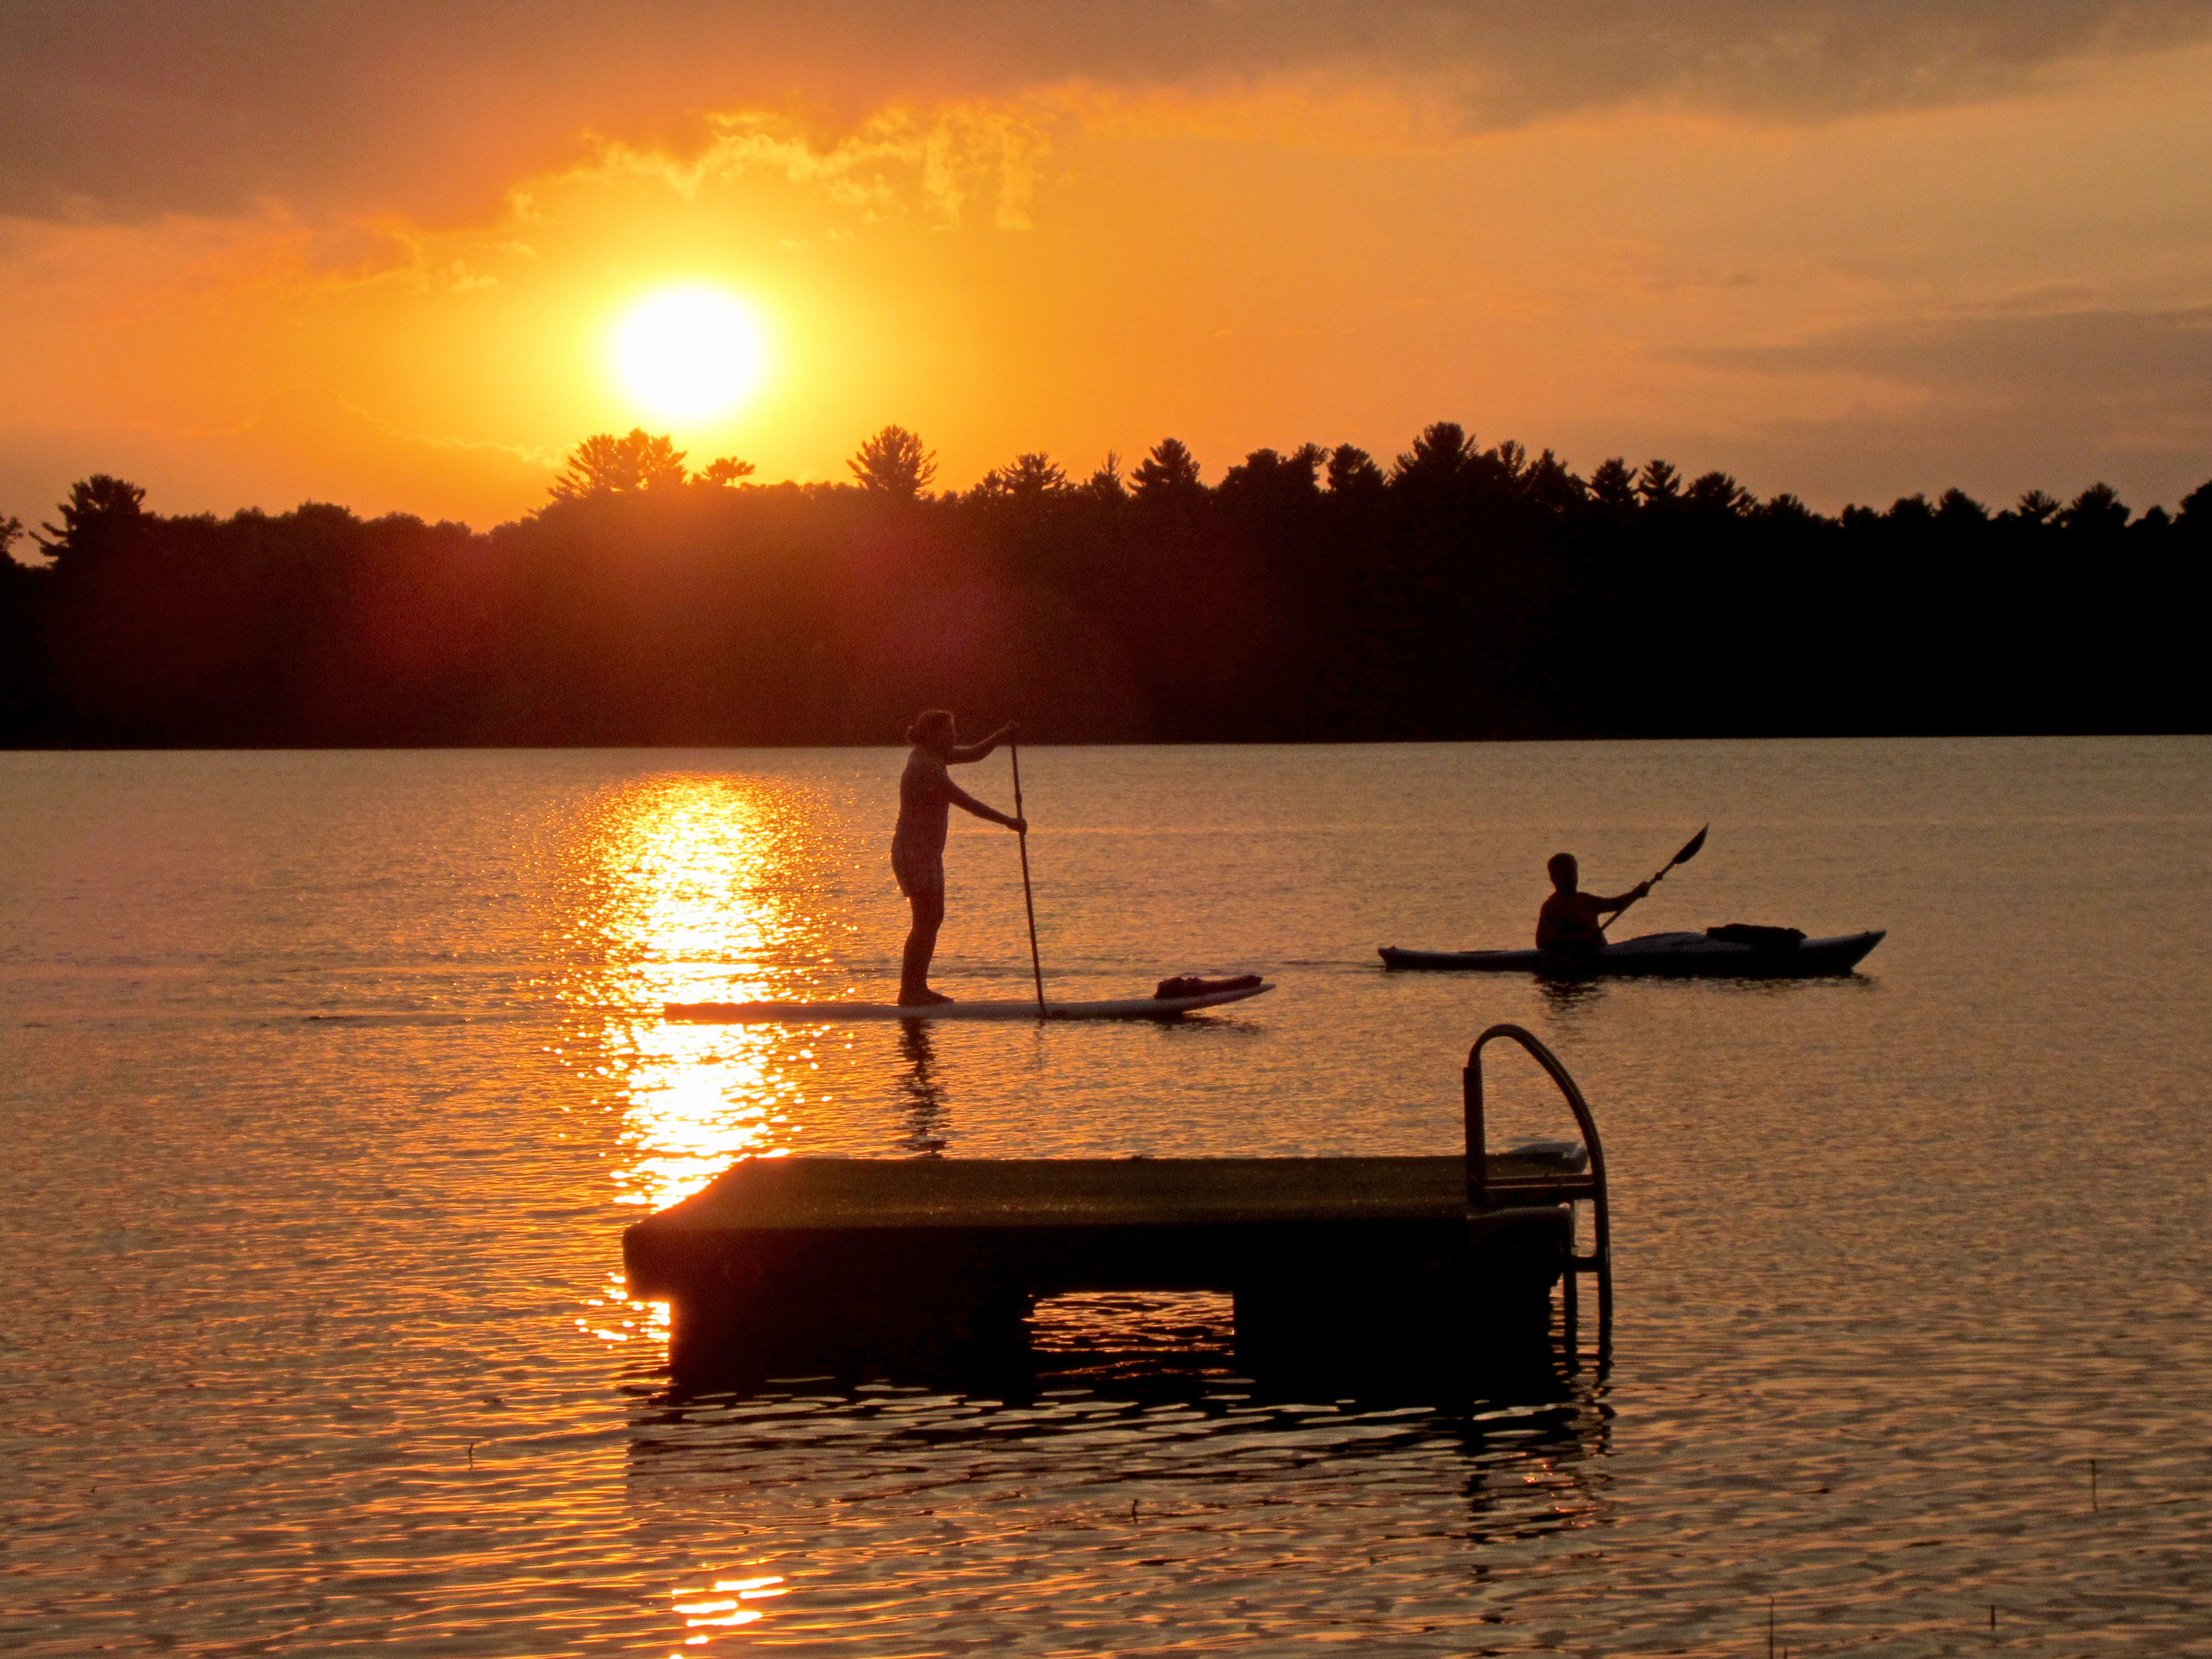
(1119, 1426)
(827, 1518)
(1163, 1345)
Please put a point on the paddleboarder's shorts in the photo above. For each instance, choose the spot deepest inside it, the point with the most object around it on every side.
(921, 872)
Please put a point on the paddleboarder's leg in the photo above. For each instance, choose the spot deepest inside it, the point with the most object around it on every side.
(921, 945)
(921, 876)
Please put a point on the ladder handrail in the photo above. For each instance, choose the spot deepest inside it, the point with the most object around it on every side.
(1481, 1198)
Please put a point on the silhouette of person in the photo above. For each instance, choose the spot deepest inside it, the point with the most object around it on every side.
(926, 794)
(1567, 926)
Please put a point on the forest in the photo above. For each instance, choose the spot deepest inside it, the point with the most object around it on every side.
(1454, 592)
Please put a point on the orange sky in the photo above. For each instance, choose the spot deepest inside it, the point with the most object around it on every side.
(1861, 252)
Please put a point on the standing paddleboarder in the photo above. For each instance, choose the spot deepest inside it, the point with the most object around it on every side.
(926, 795)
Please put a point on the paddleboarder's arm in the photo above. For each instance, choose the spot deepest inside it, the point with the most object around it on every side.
(967, 803)
(976, 751)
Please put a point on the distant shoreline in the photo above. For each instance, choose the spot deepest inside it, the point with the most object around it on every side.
(1461, 596)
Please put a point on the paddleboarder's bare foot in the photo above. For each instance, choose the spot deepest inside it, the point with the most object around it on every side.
(923, 998)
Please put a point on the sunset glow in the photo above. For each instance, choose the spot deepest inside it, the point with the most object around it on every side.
(670, 674)
(1845, 252)
(685, 354)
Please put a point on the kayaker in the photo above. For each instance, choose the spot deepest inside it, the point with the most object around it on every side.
(1567, 926)
(926, 794)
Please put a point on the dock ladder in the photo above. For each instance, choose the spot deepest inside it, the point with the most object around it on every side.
(1487, 1196)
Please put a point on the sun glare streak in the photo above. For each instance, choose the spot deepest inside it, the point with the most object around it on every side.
(686, 895)
(684, 890)
(689, 353)
(698, 1608)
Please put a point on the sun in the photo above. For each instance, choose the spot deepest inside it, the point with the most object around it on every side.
(689, 353)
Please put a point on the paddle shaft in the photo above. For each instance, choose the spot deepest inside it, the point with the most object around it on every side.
(1697, 845)
(1029, 902)
(1616, 915)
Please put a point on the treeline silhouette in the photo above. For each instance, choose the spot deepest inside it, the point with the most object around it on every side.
(1457, 592)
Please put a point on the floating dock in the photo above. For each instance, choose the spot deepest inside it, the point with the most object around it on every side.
(839, 1261)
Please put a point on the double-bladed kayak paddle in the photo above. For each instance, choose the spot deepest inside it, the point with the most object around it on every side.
(1690, 849)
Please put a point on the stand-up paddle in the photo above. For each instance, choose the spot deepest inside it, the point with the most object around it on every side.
(1029, 904)
(917, 860)
(1690, 849)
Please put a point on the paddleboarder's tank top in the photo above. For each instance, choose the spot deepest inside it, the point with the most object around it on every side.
(918, 846)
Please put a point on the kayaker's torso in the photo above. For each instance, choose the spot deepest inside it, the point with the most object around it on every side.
(1569, 921)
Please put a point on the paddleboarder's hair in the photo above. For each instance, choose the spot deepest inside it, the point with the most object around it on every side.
(928, 724)
(1561, 866)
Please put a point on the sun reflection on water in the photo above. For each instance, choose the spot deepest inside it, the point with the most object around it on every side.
(686, 889)
(723, 1607)
(675, 889)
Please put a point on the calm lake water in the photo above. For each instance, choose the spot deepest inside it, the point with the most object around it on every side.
(332, 1078)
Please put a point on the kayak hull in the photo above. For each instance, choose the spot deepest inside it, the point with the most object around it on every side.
(782, 1013)
(1660, 956)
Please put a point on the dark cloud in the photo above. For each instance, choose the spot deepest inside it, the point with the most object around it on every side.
(140, 106)
(1998, 403)
(2072, 358)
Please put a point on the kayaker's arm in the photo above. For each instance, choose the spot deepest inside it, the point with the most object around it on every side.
(1626, 899)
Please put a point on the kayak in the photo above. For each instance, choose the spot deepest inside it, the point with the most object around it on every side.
(1127, 1008)
(1681, 955)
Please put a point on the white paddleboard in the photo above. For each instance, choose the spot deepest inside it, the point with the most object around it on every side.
(1129, 1008)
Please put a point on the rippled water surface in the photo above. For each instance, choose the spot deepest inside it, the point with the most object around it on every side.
(330, 1081)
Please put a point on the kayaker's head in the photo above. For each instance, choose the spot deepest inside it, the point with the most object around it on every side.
(933, 730)
(1565, 873)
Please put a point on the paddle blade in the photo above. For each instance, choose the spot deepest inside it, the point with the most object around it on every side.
(1695, 846)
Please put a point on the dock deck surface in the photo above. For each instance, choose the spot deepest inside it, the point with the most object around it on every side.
(814, 1195)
